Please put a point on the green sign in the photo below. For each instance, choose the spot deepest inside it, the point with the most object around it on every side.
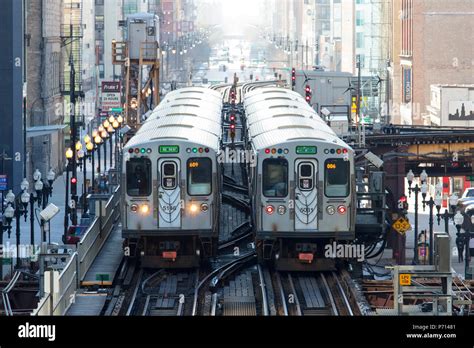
(119, 110)
(306, 150)
(167, 149)
(102, 277)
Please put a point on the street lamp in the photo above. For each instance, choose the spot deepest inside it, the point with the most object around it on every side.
(51, 176)
(69, 156)
(6, 226)
(90, 154)
(98, 141)
(111, 131)
(416, 190)
(104, 135)
(21, 206)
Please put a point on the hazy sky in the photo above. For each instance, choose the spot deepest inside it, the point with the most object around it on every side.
(237, 14)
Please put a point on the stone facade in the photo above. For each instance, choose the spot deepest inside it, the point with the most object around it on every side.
(43, 76)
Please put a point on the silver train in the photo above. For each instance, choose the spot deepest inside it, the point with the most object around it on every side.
(302, 183)
(172, 181)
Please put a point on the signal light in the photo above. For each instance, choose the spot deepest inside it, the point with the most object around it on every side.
(232, 126)
(232, 118)
(270, 209)
(309, 94)
(73, 186)
(293, 77)
(342, 209)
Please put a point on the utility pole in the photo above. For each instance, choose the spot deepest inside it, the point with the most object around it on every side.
(72, 96)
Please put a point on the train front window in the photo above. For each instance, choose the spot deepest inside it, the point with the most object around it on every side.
(336, 174)
(275, 178)
(199, 176)
(139, 177)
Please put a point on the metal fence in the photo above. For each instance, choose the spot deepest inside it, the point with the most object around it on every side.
(66, 284)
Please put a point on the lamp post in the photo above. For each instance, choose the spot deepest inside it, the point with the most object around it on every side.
(111, 131)
(21, 209)
(69, 156)
(106, 125)
(6, 225)
(104, 135)
(416, 190)
(98, 142)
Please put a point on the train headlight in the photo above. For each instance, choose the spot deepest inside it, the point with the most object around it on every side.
(342, 209)
(144, 209)
(331, 210)
(193, 208)
(270, 209)
(204, 207)
(134, 208)
(281, 210)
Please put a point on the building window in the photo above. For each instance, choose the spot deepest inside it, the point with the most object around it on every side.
(359, 18)
(407, 85)
(360, 40)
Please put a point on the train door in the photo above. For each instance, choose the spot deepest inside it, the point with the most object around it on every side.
(169, 196)
(306, 195)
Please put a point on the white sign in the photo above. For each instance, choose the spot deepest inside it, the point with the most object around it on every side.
(111, 96)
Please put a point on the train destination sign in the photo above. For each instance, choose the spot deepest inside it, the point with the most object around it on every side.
(169, 149)
(306, 150)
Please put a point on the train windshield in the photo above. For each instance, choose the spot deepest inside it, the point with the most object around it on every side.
(139, 177)
(275, 178)
(337, 178)
(199, 177)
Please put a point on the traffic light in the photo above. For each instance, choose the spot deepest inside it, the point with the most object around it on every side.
(293, 77)
(403, 204)
(74, 186)
(232, 126)
(309, 94)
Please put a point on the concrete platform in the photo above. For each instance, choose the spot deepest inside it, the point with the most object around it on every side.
(106, 264)
(87, 305)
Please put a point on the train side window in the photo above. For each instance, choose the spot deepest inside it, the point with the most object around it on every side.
(306, 176)
(169, 175)
(199, 176)
(336, 178)
(139, 177)
(275, 178)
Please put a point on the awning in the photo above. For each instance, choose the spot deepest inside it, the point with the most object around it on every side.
(43, 130)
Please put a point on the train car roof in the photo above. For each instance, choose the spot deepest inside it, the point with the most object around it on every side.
(290, 123)
(288, 118)
(268, 90)
(195, 119)
(188, 121)
(275, 104)
(264, 114)
(205, 111)
(272, 97)
(191, 134)
(277, 137)
(194, 91)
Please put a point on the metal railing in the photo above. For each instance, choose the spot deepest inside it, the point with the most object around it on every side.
(65, 287)
(59, 298)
